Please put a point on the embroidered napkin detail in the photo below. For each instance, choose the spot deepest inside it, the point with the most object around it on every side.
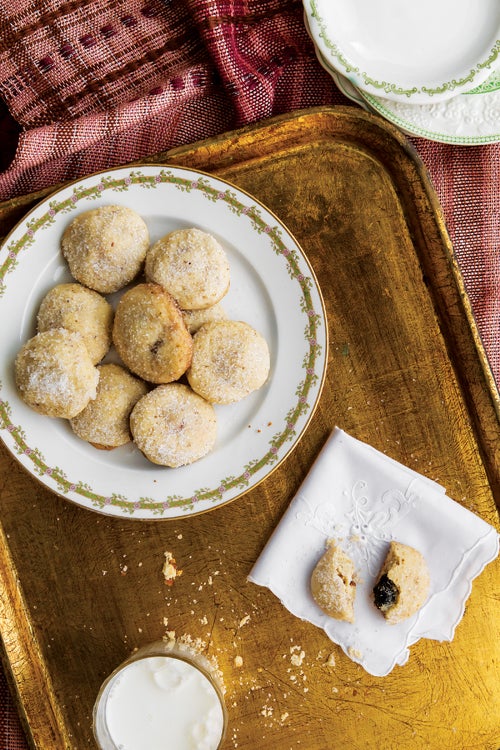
(364, 499)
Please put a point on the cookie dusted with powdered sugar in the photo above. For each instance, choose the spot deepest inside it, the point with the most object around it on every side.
(79, 309)
(104, 422)
(191, 265)
(173, 426)
(403, 583)
(105, 247)
(150, 335)
(230, 361)
(195, 319)
(333, 583)
(54, 373)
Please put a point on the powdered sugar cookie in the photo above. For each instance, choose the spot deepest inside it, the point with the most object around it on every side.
(105, 247)
(54, 373)
(333, 584)
(173, 426)
(191, 265)
(230, 361)
(403, 583)
(150, 335)
(195, 319)
(105, 420)
(79, 309)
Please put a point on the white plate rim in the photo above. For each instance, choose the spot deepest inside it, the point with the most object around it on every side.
(283, 248)
(382, 107)
(427, 92)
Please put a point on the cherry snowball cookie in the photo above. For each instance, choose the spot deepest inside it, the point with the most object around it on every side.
(54, 373)
(192, 266)
(403, 583)
(105, 421)
(195, 319)
(172, 426)
(230, 361)
(105, 247)
(79, 309)
(333, 583)
(150, 335)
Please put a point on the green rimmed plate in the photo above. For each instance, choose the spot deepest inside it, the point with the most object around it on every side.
(404, 51)
(273, 288)
(471, 119)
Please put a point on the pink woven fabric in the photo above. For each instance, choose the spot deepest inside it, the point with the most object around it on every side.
(90, 90)
(467, 182)
(91, 84)
(12, 736)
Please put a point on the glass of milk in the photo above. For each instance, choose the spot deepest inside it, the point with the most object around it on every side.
(164, 695)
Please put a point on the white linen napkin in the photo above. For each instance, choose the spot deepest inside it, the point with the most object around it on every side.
(364, 499)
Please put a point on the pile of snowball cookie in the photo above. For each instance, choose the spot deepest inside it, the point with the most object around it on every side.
(178, 353)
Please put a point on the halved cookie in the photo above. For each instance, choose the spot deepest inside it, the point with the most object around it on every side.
(403, 583)
(333, 584)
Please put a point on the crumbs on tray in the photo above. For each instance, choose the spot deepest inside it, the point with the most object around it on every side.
(170, 570)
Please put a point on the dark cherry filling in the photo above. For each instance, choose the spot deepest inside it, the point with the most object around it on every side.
(156, 347)
(385, 593)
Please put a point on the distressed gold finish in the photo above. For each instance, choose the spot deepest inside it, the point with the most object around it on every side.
(406, 373)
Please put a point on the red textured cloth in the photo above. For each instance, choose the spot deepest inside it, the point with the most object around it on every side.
(91, 84)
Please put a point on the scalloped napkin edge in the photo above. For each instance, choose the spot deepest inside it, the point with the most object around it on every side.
(364, 499)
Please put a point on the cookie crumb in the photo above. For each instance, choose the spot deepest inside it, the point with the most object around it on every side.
(238, 661)
(354, 653)
(295, 658)
(170, 570)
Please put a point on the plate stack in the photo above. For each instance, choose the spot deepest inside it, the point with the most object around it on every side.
(432, 68)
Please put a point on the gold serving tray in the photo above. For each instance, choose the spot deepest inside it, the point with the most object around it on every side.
(406, 373)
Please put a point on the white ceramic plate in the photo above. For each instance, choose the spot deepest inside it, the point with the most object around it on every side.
(273, 288)
(402, 50)
(470, 119)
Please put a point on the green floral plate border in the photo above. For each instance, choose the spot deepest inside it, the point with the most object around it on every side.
(471, 119)
(323, 36)
(270, 266)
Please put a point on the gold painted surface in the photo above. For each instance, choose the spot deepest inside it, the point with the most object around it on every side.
(406, 373)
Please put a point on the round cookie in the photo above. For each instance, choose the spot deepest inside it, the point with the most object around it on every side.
(79, 309)
(172, 426)
(230, 360)
(105, 421)
(195, 319)
(105, 247)
(333, 584)
(191, 265)
(150, 335)
(54, 373)
(403, 583)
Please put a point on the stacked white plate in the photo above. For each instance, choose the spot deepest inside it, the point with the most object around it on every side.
(432, 68)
